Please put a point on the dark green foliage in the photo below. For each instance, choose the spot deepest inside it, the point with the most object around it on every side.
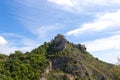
(3, 56)
(56, 60)
(19, 66)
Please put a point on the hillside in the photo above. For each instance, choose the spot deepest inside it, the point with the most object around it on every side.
(58, 59)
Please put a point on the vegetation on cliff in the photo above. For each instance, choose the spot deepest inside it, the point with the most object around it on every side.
(56, 60)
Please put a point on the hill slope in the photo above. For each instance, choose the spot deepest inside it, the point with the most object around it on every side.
(56, 60)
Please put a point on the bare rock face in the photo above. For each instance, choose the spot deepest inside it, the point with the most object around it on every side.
(60, 62)
(58, 43)
(81, 47)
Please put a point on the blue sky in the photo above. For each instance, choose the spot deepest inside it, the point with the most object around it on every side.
(26, 24)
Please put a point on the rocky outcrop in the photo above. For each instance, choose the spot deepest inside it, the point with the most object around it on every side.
(60, 62)
(58, 43)
(81, 47)
(71, 62)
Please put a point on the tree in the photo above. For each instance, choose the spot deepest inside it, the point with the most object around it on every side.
(16, 54)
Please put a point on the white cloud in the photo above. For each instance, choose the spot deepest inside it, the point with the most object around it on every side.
(3, 41)
(106, 49)
(37, 17)
(69, 3)
(18, 42)
(84, 5)
(107, 55)
(46, 31)
(6, 49)
(28, 45)
(102, 22)
(109, 43)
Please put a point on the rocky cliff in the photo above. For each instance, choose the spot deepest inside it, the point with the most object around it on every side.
(58, 59)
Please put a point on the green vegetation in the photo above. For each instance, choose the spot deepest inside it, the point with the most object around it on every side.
(56, 60)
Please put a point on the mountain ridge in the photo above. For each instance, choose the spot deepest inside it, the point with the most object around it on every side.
(58, 59)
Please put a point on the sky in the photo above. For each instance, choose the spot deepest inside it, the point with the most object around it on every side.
(26, 24)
